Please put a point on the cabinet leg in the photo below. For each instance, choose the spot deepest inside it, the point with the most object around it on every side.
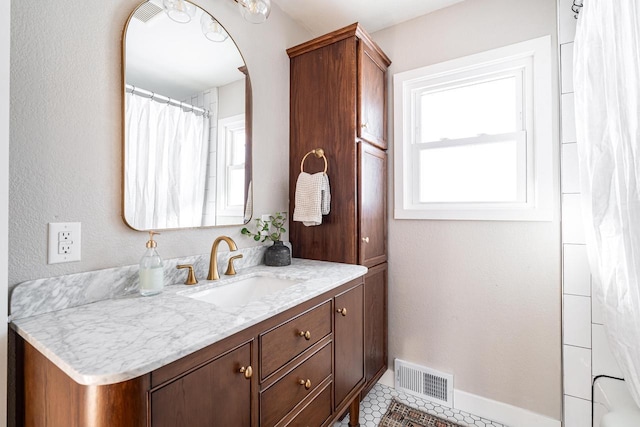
(354, 412)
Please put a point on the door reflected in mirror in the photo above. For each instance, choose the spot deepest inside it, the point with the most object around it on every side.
(187, 122)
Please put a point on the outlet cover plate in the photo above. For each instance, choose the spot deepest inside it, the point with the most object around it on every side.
(65, 242)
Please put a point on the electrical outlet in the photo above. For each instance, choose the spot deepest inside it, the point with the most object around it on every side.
(64, 248)
(64, 242)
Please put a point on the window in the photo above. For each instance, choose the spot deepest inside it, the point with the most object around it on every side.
(231, 158)
(473, 137)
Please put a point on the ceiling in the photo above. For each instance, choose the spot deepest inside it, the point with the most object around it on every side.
(323, 16)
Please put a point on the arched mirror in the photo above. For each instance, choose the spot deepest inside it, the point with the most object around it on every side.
(187, 120)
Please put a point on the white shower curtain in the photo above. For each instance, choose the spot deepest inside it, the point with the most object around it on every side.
(165, 163)
(607, 102)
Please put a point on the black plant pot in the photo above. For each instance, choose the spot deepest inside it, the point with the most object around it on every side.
(277, 255)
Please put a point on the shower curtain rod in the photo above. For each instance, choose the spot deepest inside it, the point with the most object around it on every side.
(165, 99)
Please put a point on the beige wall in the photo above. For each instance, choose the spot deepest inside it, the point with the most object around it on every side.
(66, 130)
(479, 299)
(4, 197)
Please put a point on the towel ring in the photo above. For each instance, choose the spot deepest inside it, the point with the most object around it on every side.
(318, 152)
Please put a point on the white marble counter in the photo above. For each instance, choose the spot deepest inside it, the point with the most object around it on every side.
(117, 339)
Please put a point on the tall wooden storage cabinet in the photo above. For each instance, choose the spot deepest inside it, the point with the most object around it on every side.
(339, 104)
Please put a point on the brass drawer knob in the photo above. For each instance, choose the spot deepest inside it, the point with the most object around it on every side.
(365, 239)
(248, 372)
(306, 384)
(342, 311)
(306, 335)
(364, 125)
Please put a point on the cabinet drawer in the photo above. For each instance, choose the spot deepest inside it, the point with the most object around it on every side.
(316, 412)
(286, 393)
(283, 343)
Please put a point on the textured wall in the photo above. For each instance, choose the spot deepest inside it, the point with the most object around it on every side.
(66, 130)
(4, 196)
(479, 299)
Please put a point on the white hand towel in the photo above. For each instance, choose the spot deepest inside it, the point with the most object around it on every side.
(313, 198)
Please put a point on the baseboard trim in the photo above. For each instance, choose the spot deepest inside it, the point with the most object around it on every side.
(388, 379)
(504, 413)
(501, 412)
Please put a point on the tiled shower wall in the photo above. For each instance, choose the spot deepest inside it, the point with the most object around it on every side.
(585, 349)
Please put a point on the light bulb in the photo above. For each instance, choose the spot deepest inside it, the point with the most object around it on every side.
(255, 11)
(212, 28)
(179, 10)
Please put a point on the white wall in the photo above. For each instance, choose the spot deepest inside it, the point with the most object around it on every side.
(5, 15)
(66, 130)
(479, 299)
(231, 99)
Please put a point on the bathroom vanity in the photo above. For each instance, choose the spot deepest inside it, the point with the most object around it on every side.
(294, 357)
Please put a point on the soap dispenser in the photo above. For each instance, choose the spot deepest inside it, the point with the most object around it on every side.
(151, 270)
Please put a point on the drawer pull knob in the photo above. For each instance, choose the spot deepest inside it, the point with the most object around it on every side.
(248, 371)
(306, 384)
(364, 125)
(306, 335)
(365, 239)
(342, 311)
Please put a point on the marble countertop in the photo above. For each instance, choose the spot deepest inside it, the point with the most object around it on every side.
(118, 339)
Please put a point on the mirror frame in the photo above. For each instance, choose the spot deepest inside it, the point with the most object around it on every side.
(248, 174)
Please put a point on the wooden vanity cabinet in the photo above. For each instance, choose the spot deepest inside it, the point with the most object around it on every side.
(349, 340)
(196, 399)
(372, 93)
(376, 315)
(302, 367)
(372, 205)
(339, 103)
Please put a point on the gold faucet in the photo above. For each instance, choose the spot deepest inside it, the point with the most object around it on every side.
(213, 262)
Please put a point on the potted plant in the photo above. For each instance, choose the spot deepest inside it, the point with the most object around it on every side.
(277, 255)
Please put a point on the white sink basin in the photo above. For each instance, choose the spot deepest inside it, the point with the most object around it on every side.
(243, 291)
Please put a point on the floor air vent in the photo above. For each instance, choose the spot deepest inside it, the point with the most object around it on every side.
(424, 382)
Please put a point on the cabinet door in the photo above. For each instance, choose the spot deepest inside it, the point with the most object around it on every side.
(372, 96)
(375, 323)
(372, 204)
(216, 394)
(349, 343)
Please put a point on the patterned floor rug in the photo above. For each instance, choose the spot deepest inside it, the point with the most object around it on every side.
(401, 415)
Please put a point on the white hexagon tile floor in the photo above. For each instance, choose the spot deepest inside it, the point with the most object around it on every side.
(375, 405)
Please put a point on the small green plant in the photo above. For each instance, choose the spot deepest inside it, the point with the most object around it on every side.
(271, 230)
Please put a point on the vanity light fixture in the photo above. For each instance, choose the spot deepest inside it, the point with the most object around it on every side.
(212, 29)
(179, 10)
(254, 11)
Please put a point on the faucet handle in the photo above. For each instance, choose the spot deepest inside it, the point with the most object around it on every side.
(191, 277)
(231, 271)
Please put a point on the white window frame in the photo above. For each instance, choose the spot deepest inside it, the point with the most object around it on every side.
(226, 128)
(537, 186)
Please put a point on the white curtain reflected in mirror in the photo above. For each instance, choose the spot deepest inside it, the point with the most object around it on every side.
(166, 167)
